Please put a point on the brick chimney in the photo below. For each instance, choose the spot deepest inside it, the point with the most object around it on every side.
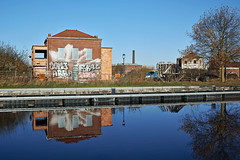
(49, 35)
(133, 57)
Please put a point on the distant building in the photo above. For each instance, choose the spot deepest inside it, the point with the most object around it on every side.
(191, 61)
(232, 70)
(118, 69)
(72, 55)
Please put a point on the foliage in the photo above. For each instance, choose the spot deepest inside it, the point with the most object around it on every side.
(12, 59)
(10, 121)
(216, 37)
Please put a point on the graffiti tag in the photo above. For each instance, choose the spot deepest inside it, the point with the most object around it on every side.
(87, 75)
(58, 65)
(89, 67)
(60, 70)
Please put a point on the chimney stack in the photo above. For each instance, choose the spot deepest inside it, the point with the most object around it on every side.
(133, 57)
(49, 35)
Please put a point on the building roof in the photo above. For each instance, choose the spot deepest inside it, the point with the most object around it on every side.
(233, 64)
(192, 55)
(74, 140)
(73, 33)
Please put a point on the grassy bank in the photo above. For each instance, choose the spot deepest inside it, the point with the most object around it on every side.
(113, 83)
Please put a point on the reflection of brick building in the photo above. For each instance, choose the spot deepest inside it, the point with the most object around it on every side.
(72, 125)
(72, 55)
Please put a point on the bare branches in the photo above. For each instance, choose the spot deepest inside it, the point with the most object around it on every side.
(217, 34)
(12, 59)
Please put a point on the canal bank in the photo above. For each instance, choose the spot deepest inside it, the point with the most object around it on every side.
(54, 97)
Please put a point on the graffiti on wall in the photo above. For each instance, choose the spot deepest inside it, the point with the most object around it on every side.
(60, 70)
(89, 67)
(72, 63)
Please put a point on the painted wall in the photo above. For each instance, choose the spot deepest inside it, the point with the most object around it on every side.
(74, 59)
(192, 63)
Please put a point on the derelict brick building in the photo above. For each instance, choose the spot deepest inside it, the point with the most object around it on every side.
(72, 55)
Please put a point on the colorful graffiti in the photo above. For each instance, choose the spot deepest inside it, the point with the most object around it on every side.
(87, 75)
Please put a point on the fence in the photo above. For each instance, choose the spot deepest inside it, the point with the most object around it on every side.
(15, 75)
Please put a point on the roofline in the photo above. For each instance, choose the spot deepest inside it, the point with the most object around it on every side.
(38, 46)
(74, 38)
(107, 47)
(129, 64)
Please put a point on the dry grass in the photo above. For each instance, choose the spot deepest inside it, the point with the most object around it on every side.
(131, 81)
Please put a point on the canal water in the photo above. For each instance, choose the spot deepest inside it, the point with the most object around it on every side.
(193, 131)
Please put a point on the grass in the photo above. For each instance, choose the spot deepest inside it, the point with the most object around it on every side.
(114, 83)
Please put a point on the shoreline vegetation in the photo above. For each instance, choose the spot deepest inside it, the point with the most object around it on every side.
(113, 83)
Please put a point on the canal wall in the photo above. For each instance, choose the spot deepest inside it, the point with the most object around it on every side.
(63, 97)
(111, 90)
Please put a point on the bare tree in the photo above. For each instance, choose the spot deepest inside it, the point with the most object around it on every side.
(217, 37)
(12, 59)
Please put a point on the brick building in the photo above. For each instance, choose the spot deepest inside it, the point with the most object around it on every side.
(118, 69)
(232, 70)
(72, 55)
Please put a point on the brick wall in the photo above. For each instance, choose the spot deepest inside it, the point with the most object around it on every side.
(106, 63)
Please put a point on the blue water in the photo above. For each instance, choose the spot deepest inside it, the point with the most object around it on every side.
(150, 132)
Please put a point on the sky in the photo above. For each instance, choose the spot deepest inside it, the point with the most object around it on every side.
(155, 29)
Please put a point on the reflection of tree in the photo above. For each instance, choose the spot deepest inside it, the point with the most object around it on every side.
(215, 134)
(9, 121)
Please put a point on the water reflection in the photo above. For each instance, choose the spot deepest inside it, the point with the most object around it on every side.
(72, 125)
(10, 121)
(214, 129)
(215, 134)
(171, 108)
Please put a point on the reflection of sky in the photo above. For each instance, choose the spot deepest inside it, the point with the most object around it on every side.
(149, 133)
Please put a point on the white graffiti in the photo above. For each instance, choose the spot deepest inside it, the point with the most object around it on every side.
(89, 67)
(58, 65)
(60, 70)
(62, 74)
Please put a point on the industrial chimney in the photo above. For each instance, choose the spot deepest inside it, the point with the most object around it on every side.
(133, 57)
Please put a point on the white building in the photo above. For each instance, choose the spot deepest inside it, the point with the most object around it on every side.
(191, 61)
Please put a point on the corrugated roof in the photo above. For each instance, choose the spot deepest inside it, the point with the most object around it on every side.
(73, 33)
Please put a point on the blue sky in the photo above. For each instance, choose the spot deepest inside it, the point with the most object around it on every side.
(155, 29)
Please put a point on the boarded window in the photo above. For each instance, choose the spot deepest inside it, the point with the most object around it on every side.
(89, 120)
(75, 121)
(89, 54)
(75, 53)
(61, 122)
(60, 53)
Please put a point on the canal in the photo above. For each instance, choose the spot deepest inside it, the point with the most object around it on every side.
(170, 131)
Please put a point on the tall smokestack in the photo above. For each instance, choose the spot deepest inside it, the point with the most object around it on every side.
(133, 57)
